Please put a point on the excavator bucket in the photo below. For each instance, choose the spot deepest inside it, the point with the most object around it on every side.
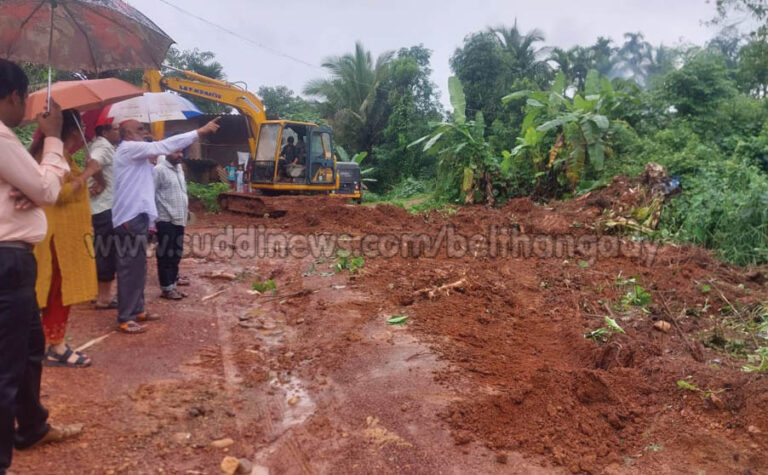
(247, 204)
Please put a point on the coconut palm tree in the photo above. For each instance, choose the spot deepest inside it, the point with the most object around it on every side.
(563, 61)
(635, 55)
(349, 95)
(525, 59)
(574, 63)
(604, 56)
(661, 60)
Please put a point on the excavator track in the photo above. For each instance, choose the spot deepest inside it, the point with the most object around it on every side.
(247, 204)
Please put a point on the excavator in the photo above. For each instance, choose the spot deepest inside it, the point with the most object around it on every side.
(315, 169)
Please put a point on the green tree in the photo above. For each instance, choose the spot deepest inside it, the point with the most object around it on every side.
(603, 56)
(563, 61)
(480, 66)
(576, 62)
(490, 62)
(523, 57)
(696, 89)
(753, 65)
(282, 103)
(661, 60)
(351, 98)
(413, 104)
(634, 57)
(727, 43)
(200, 62)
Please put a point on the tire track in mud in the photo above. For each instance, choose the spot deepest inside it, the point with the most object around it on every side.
(257, 406)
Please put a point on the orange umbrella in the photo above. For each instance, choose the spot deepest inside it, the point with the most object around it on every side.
(81, 95)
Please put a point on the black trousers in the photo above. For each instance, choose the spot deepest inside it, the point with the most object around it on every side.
(131, 243)
(170, 247)
(22, 346)
(104, 247)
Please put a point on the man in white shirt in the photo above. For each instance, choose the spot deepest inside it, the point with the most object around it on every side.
(102, 150)
(172, 212)
(134, 209)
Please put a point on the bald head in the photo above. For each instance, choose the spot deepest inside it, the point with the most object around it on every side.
(133, 131)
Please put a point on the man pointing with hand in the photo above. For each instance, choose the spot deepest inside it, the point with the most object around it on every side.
(134, 210)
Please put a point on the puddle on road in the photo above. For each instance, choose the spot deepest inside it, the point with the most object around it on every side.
(297, 405)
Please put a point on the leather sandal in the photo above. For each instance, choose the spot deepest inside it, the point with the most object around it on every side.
(64, 359)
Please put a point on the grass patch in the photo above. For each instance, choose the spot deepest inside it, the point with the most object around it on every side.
(266, 286)
(207, 194)
(348, 262)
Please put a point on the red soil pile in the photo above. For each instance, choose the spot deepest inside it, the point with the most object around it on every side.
(513, 336)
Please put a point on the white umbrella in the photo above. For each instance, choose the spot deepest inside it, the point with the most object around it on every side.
(148, 108)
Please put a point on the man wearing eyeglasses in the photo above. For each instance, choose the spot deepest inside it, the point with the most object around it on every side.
(134, 210)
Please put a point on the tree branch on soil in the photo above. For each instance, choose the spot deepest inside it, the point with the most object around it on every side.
(432, 292)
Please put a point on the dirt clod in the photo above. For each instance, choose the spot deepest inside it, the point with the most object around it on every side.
(222, 443)
(230, 465)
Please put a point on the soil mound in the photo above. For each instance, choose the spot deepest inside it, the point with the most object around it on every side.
(513, 331)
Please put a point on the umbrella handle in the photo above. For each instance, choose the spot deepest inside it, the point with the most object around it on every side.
(82, 135)
(50, 50)
(48, 95)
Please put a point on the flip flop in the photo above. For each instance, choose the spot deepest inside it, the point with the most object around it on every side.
(146, 317)
(131, 327)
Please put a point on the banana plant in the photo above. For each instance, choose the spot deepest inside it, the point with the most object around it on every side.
(466, 162)
(579, 125)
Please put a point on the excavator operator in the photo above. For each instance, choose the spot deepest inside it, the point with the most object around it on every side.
(287, 156)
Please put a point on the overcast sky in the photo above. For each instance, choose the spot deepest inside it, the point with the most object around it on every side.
(309, 31)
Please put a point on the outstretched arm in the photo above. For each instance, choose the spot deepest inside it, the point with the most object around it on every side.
(145, 150)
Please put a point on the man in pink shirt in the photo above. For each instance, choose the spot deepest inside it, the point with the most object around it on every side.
(25, 185)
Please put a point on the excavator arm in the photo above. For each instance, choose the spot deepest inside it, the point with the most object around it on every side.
(214, 90)
(252, 109)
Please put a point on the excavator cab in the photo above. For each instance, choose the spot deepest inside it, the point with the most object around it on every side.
(287, 156)
(293, 155)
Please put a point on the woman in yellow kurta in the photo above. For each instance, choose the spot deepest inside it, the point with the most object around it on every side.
(66, 270)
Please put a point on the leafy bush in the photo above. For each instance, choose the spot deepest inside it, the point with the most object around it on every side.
(723, 207)
(409, 188)
(207, 194)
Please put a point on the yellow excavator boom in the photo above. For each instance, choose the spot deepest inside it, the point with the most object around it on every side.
(214, 90)
(323, 178)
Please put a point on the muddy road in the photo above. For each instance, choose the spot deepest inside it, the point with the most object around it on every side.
(491, 371)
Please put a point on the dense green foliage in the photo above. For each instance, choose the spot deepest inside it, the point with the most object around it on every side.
(604, 110)
(207, 194)
(282, 103)
(379, 107)
(553, 123)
